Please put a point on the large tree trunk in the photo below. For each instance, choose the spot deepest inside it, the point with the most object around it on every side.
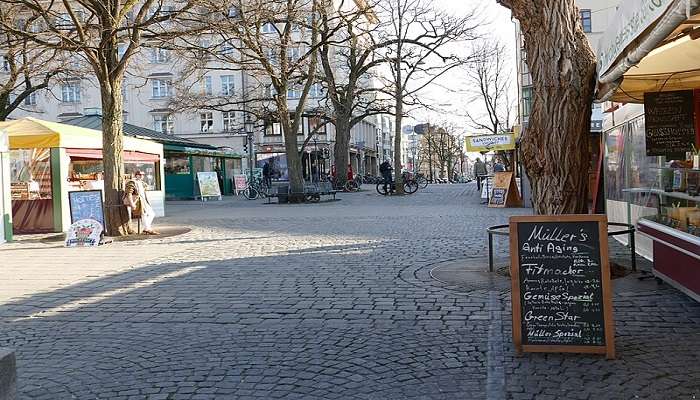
(341, 148)
(291, 145)
(555, 143)
(116, 215)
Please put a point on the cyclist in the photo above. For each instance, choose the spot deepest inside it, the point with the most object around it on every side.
(385, 169)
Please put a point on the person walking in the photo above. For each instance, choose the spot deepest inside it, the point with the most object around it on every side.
(479, 172)
(385, 169)
(499, 166)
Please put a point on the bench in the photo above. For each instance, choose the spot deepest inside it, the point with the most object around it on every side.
(312, 192)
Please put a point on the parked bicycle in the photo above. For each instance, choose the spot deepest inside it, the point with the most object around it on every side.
(410, 186)
(257, 189)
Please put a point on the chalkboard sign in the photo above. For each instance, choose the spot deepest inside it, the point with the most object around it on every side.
(670, 123)
(562, 299)
(86, 204)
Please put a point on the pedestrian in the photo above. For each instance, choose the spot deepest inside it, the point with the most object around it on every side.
(267, 174)
(498, 166)
(479, 172)
(351, 173)
(137, 203)
(385, 169)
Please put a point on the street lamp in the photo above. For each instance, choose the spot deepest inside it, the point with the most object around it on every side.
(249, 127)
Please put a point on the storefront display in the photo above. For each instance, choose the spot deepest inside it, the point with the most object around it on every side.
(653, 131)
(48, 160)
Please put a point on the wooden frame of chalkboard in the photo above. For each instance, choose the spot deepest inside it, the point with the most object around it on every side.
(70, 204)
(608, 348)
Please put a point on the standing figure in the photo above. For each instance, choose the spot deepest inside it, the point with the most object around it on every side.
(136, 201)
(267, 174)
(385, 169)
(479, 172)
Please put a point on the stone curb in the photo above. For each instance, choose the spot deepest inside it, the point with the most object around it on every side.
(8, 375)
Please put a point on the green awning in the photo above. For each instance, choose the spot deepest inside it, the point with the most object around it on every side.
(201, 151)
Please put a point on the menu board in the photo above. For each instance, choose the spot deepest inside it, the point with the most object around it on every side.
(562, 300)
(670, 123)
(86, 204)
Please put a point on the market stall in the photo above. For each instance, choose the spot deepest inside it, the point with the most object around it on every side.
(48, 160)
(649, 72)
(5, 202)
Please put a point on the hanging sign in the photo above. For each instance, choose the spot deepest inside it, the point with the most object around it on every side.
(86, 204)
(562, 296)
(505, 191)
(670, 123)
(486, 143)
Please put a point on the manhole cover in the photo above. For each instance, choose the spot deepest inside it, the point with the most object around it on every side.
(470, 274)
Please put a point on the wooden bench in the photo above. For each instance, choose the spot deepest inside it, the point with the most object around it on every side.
(312, 191)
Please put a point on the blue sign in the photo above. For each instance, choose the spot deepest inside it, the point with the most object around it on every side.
(86, 204)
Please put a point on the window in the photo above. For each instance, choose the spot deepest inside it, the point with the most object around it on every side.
(233, 12)
(226, 48)
(268, 28)
(4, 63)
(229, 119)
(586, 21)
(159, 56)
(207, 86)
(64, 21)
(163, 123)
(293, 91)
(161, 88)
(271, 55)
(527, 101)
(178, 164)
(206, 121)
(30, 100)
(317, 90)
(70, 92)
(227, 85)
(293, 54)
(274, 130)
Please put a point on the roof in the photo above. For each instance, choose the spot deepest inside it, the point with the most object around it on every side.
(95, 122)
(28, 133)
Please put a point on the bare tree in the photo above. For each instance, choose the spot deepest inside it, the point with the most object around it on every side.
(275, 44)
(350, 58)
(562, 65)
(490, 84)
(107, 34)
(419, 53)
(442, 148)
(25, 68)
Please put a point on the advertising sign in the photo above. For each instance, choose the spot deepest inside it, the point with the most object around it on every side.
(86, 204)
(486, 143)
(561, 290)
(240, 181)
(84, 233)
(208, 184)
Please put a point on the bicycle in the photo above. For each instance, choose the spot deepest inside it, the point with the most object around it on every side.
(421, 180)
(410, 186)
(257, 189)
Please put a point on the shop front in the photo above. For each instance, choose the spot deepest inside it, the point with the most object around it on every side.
(648, 80)
(48, 160)
(5, 200)
(183, 162)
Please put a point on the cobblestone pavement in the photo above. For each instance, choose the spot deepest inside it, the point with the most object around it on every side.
(326, 301)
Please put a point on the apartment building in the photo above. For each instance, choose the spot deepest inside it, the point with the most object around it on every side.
(151, 90)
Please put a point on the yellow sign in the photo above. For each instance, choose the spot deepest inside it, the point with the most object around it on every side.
(485, 143)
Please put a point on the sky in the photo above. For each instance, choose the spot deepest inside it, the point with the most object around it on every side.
(496, 24)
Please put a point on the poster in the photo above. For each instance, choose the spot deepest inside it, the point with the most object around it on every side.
(84, 233)
(208, 184)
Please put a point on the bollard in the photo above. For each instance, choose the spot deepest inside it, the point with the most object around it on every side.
(8, 375)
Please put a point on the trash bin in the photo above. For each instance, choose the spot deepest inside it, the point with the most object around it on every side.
(283, 194)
